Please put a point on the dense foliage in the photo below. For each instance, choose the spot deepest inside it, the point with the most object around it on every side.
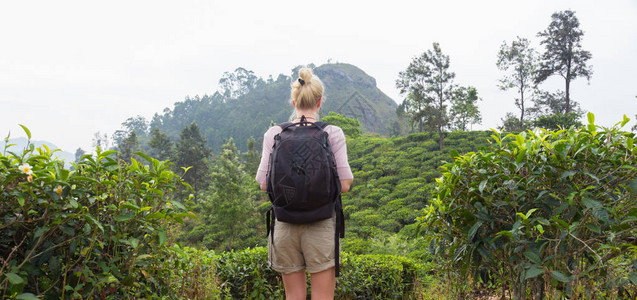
(97, 230)
(105, 230)
(542, 213)
(393, 178)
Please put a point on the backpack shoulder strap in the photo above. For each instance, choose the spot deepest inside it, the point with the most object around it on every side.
(285, 125)
(321, 125)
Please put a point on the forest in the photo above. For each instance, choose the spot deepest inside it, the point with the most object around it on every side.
(544, 207)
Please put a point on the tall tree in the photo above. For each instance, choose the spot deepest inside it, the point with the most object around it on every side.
(78, 154)
(100, 140)
(238, 83)
(520, 61)
(563, 53)
(251, 157)
(464, 108)
(547, 103)
(137, 124)
(427, 85)
(128, 146)
(161, 144)
(228, 201)
(191, 153)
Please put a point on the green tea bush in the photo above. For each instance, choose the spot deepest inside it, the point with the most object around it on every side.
(544, 213)
(378, 277)
(193, 274)
(245, 275)
(99, 230)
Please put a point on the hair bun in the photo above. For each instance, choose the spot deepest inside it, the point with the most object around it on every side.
(306, 74)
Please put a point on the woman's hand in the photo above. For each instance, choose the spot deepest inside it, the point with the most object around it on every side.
(264, 187)
(345, 185)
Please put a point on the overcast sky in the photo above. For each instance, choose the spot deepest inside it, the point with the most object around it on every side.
(71, 68)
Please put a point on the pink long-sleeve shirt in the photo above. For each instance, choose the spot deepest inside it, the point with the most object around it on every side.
(337, 141)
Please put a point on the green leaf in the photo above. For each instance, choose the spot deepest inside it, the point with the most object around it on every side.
(591, 118)
(594, 228)
(92, 220)
(73, 203)
(601, 214)
(505, 233)
(15, 279)
(124, 217)
(144, 256)
(559, 276)
(156, 215)
(591, 203)
(482, 185)
(633, 277)
(162, 237)
(27, 296)
(129, 206)
(134, 242)
(21, 201)
(474, 229)
(521, 215)
(107, 153)
(633, 187)
(40, 231)
(533, 272)
(625, 120)
(26, 130)
(145, 156)
(533, 257)
(528, 213)
(178, 205)
(567, 174)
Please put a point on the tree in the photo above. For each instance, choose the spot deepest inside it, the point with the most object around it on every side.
(511, 123)
(563, 53)
(427, 85)
(464, 108)
(228, 201)
(128, 146)
(520, 61)
(161, 144)
(137, 124)
(252, 158)
(78, 154)
(191, 153)
(238, 83)
(100, 140)
(549, 111)
(118, 136)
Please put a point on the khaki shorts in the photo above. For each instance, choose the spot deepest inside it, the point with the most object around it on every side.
(299, 247)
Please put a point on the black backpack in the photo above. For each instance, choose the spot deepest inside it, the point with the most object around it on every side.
(303, 184)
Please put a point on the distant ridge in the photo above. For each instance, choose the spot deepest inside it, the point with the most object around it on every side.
(348, 91)
(20, 144)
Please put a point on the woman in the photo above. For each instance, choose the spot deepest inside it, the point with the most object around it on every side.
(296, 248)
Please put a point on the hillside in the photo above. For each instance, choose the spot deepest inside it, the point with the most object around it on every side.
(348, 91)
(19, 144)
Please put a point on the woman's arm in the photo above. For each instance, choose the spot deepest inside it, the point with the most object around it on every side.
(345, 185)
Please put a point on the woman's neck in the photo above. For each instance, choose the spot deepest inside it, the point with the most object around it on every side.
(311, 115)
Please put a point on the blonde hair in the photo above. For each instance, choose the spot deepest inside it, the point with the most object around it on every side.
(306, 95)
